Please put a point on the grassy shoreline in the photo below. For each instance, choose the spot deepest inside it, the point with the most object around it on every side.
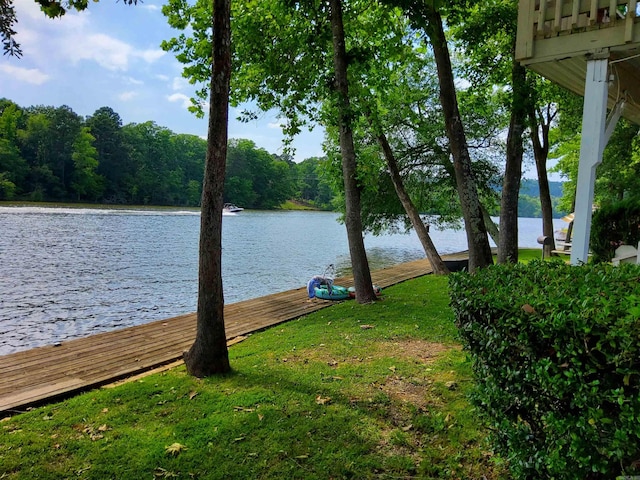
(353, 391)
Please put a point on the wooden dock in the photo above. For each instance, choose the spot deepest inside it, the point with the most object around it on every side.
(46, 373)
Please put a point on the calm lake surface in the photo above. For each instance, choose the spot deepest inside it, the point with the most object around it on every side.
(71, 272)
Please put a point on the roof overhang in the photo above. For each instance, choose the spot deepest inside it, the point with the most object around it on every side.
(573, 32)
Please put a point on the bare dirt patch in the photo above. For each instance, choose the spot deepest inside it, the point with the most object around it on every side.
(415, 349)
(408, 389)
(412, 390)
(419, 351)
(407, 392)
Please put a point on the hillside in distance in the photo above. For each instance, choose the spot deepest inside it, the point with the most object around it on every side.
(529, 201)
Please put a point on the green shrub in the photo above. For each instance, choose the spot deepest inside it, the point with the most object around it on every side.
(613, 225)
(7, 188)
(556, 355)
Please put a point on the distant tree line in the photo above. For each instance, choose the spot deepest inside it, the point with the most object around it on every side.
(529, 199)
(53, 154)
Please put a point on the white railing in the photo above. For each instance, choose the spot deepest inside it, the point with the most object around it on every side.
(614, 20)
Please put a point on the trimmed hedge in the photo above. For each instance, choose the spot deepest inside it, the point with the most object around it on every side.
(556, 356)
(613, 225)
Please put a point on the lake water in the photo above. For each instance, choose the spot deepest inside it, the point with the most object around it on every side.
(70, 272)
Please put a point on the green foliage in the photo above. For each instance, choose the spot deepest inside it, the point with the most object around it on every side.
(530, 187)
(529, 199)
(556, 358)
(402, 102)
(616, 177)
(290, 70)
(12, 166)
(312, 184)
(486, 31)
(254, 178)
(7, 21)
(86, 183)
(391, 87)
(52, 154)
(529, 206)
(619, 174)
(612, 225)
(106, 127)
(7, 187)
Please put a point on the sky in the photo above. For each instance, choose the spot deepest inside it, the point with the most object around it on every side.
(110, 55)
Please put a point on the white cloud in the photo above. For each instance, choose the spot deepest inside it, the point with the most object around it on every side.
(277, 125)
(133, 81)
(150, 56)
(179, 83)
(36, 29)
(164, 78)
(28, 75)
(126, 96)
(180, 97)
(74, 38)
(106, 51)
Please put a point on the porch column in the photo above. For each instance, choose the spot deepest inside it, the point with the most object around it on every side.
(591, 148)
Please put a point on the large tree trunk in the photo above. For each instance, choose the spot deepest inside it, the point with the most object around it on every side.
(479, 248)
(209, 355)
(353, 220)
(540, 140)
(508, 246)
(490, 225)
(438, 265)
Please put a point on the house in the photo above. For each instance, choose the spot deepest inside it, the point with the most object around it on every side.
(591, 47)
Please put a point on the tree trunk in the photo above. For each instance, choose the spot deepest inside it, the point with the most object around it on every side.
(438, 265)
(492, 228)
(209, 355)
(540, 140)
(490, 225)
(570, 227)
(508, 246)
(353, 219)
(479, 249)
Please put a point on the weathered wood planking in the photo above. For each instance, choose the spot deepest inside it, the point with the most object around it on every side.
(44, 373)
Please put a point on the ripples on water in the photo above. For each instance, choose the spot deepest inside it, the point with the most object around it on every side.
(67, 273)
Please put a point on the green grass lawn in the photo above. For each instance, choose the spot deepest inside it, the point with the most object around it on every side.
(352, 391)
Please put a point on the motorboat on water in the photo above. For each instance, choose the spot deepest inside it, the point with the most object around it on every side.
(231, 209)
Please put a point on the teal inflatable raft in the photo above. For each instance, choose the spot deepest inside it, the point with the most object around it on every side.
(376, 289)
(333, 292)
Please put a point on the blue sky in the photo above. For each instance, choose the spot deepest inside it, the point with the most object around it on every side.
(110, 55)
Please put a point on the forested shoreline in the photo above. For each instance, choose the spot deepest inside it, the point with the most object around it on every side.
(53, 154)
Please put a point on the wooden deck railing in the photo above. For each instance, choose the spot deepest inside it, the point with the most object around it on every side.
(557, 28)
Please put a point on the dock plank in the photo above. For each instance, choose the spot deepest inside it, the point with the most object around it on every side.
(45, 373)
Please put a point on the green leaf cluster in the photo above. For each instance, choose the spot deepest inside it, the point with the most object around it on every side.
(614, 224)
(617, 176)
(283, 61)
(556, 356)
